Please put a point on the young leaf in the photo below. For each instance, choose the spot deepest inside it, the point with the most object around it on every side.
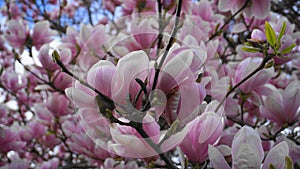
(282, 31)
(270, 34)
(288, 49)
(250, 49)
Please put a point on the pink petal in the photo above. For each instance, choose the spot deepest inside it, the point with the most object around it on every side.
(277, 156)
(217, 159)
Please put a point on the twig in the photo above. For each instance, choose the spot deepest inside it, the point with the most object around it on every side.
(227, 21)
(172, 38)
(260, 67)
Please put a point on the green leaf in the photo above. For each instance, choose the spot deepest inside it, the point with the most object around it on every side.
(250, 49)
(282, 31)
(271, 166)
(288, 49)
(288, 163)
(270, 34)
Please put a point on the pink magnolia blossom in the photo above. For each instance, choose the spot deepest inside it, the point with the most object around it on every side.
(129, 143)
(206, 129)
(10, 140)
(17, 163)
(70, 40)
(257, 8)
(92, 42)
(176, 80)
(81, 143)
(46, 59)
(144, 32)
(14, 11)
(111, 4)
(277, 156)
(255, 83)
(283, 107)
(95, 126)
(17, 34)
(42, 34)
(111, 163)
(171, 5)
(58, 104)
(3, 113)
(294, 149)
(204, 9)
(138, 6)
(258, 35)
(62, 81)
(43, 114)
(50, 164)
(12, 80)
(247, 152)
(34, 130)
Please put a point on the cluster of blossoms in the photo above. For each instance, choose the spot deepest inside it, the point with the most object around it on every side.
(149, 84)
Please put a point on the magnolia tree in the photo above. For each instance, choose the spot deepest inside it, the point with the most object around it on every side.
(150, 84)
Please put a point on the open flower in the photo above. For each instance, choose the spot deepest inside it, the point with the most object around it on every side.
(129, 143)
(283, 107)
(16, 34)
(42, 34)
(257, 8)
(206, 130)
(255, 83)
(247, 152)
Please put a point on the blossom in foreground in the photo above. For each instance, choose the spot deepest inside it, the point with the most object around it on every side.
(206, 130)
(129, 143)
(247, 152)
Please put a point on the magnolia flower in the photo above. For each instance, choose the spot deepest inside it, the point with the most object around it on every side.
(47, 61)
(247, 152)
(257, 8)
(83, 144)
(58, 104)
(176, 81)
(17, 34)
(3, 112)
(206, 129)
(283, 107)
(256, 82)
(9, 140)
(129, 143)
(91, 41)
(144, 32)
(12, 80)
(52, 163)
(138, 6)
(111, 163)
(42, 34)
